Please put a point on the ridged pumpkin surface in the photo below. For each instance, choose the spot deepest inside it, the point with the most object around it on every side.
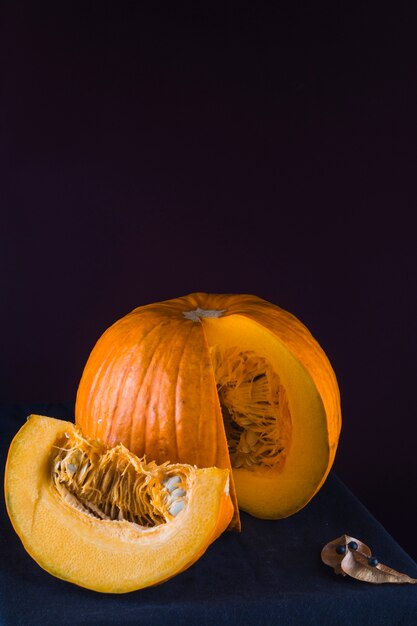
(102, 518)
(218, 380)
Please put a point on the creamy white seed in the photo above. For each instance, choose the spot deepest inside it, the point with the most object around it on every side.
(172, 483)
(176, 507)
(83, 472)
(178, 493)
(175, 495)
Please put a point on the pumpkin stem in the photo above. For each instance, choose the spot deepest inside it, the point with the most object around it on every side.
(198, 313)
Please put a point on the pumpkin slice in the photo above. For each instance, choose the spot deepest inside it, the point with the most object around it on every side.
(104, 519)
(226, 380)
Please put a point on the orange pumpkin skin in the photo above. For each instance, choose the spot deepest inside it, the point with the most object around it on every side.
(149, 382)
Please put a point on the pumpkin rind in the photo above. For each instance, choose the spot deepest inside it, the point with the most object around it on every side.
(104, 555)
(149, 383)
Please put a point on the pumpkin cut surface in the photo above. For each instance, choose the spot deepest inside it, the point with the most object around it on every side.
(225, 380)
(101, 517)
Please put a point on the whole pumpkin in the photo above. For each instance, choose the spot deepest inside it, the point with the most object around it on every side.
(231, 381)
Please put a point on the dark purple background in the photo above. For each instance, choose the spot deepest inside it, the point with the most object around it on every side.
(150, 153)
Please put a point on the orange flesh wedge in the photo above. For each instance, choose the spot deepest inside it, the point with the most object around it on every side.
(106, 555)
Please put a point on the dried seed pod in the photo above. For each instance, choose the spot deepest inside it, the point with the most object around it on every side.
(349, 556)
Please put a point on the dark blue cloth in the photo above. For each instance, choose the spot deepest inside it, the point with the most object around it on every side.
(270, 573)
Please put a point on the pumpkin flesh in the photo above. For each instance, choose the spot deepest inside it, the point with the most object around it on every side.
(133, 533)
(278, 489)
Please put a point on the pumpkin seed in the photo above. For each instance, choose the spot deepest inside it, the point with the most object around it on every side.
(178, 493)
(176, 507)
(83, 471)
(243, 446)
(251, 438)
(171, 483)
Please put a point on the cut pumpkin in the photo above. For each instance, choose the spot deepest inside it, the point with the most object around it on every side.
(102, 518)
(230, 381)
